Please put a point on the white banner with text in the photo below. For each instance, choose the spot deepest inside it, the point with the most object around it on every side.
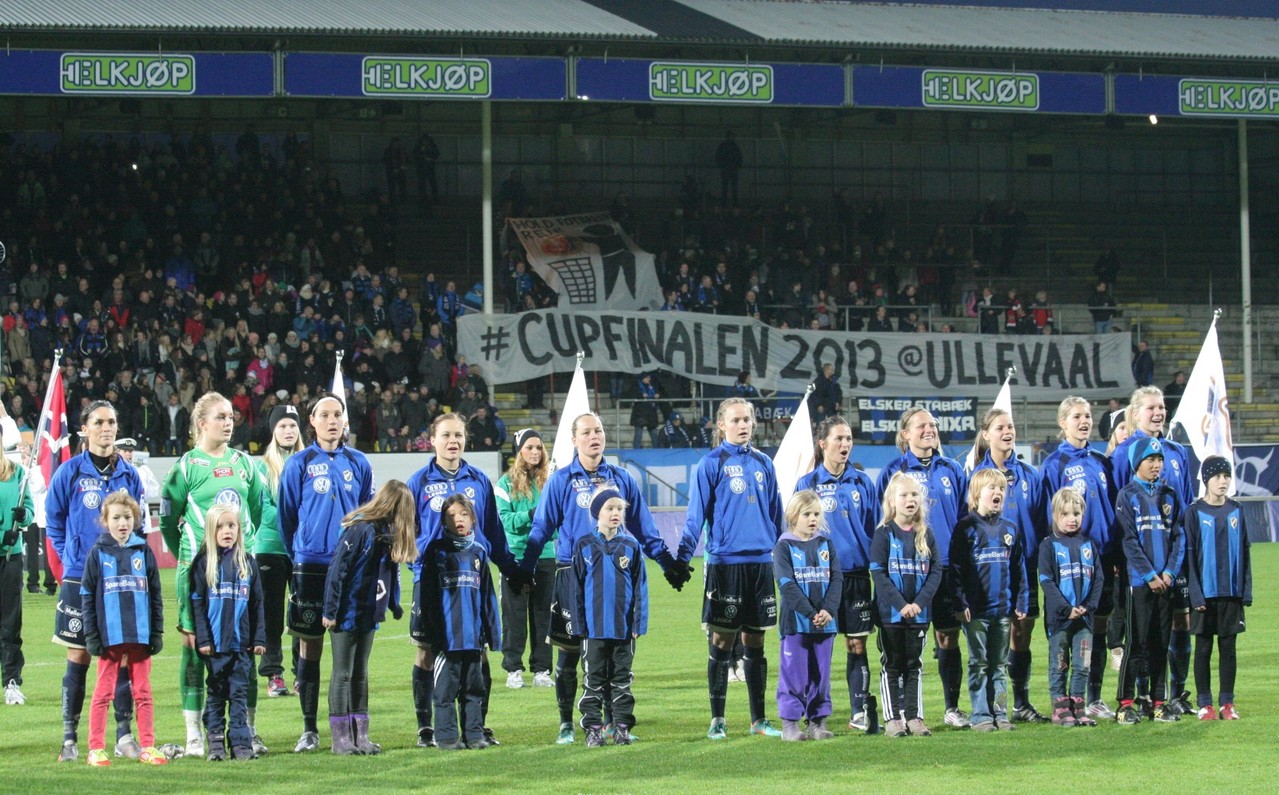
(714, 349)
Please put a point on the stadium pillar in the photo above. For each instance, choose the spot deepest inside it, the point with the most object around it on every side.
(486, 204)
(1245, 255)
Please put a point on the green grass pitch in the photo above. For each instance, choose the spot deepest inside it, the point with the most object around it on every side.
(673, 754)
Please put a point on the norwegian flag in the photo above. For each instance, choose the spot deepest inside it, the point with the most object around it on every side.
(53, 445)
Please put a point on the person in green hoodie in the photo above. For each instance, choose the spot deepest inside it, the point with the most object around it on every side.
(16, 510)
(526, 615)
(273, 559)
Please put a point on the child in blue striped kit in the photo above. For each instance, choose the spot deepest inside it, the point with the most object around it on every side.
(1071, 577)
(1148, 511)
(226, 605)
(610, 612)
(459, 618)
(123, 617)
(811, 584)
(362, 586)
(906, 567)
(988, 571)
(1220, 583)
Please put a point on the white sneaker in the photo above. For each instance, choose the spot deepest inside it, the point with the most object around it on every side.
(515, 680)
(543, 679)
(956, 718)
(194, 747)
(13, 694)
(127, 748)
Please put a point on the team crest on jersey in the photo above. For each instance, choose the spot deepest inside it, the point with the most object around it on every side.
(223, 472)
(759, 477)
(469, 491)
(1167, 509)
(92, 499)
(1175, 466)
(1086, 553)
(945, 482)
(321, 485)
(737, 485)
(476, 564)
(857, 497)
(824, 555)
(1155, 447)
(137, 564)
(346, 475)
(1008, 539)
(1025, 487)
(1234, 523)
(828, 504)
(227, 497)
(624, 562)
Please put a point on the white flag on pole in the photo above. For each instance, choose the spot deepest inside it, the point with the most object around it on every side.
(794, 457)
(1204, 413)
(338, 390)
(1004, 400)
(576, 403)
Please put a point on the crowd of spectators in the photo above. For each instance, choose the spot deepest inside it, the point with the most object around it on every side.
(167, 266)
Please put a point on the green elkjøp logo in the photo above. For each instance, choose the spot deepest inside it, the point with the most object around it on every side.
(427, 77)
(124, 73)
(1228, 98)
(986, 90)
(686, 82)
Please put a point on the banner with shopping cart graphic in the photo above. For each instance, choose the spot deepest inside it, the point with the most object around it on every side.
(589, 261)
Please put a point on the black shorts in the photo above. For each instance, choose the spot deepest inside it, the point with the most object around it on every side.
(1181, 594)
(943, 606)
(563, 634)
(856, 605)
(1223, 616)
(306, 600)
(68, 626)
(739, 596)
(1032, 587)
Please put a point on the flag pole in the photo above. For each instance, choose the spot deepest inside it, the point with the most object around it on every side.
(41, 425)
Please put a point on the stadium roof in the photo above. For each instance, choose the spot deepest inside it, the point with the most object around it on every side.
(817, 23)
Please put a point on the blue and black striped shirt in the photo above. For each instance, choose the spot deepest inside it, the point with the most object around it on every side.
(809, 577)
(612, 593)
(901, 576)
(120, 592)
(988, 567)
(1070, 575)
(1218, 552)
(228, 614)
(1150, 517)
(459, 608)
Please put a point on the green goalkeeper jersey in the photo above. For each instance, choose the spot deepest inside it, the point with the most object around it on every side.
(196, 483)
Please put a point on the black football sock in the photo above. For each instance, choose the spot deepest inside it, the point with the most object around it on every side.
(717, 678)
(756, 665)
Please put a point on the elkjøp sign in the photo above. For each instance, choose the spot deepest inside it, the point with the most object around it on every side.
(423, 77)
(630, 80)
(1195, 96)
(714, 349)
(966, 89)
(125, 74)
